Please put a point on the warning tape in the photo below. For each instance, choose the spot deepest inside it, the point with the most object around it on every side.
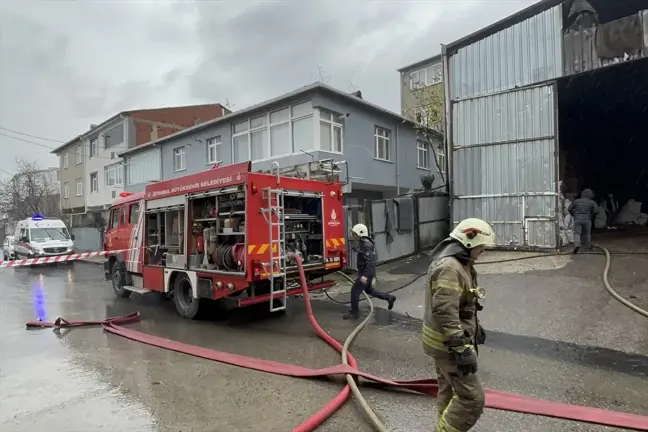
(58, 258)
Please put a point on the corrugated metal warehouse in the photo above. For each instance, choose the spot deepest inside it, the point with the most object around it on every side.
(546, 102)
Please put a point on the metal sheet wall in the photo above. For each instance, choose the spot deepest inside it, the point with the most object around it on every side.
(526, 53)
(580, 49)
(504, 164)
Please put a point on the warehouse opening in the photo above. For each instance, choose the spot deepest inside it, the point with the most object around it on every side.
(603, 139)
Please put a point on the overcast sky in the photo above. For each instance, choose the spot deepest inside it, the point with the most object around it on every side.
(67, 64)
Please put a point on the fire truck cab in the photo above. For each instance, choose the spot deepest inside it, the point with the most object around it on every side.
(225, 234)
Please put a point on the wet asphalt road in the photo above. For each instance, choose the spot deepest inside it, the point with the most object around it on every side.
(554, 334)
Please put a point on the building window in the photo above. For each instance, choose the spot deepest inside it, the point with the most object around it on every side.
(214, 150)
(58, 175)
(330, 131)
(79, 187)
(440, 157)
(66, 190)
(382, 150)
(422, 155)
(114, 174)
(279, 133)
(65, 161)
(179, 163)
(94, 182)
(94, 147)
(78, 154)
(425, 77)
(143, 167)
(114, 136)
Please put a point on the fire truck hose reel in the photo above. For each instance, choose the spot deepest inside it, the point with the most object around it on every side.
(494, 399)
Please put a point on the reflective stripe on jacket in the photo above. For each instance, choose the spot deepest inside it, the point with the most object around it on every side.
(450, 292)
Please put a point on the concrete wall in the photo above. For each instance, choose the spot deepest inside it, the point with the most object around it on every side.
(433, 220)
(68, 176)
(87, 239)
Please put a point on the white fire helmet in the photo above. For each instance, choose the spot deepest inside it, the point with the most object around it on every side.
(360, 230)
(473, 232)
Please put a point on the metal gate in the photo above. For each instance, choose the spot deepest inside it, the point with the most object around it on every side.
(504, 164)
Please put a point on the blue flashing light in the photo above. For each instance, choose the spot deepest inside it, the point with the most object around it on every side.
(38, 217)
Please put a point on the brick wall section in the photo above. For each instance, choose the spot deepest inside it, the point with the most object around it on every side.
(179, 116)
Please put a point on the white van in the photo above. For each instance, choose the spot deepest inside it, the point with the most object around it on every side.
(42, 237)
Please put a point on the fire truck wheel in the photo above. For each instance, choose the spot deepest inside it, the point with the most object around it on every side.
(186, 305)
(118, 281)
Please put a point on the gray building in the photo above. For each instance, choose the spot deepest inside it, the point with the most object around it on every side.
(518, 108)
(414, 78)
(383, 152)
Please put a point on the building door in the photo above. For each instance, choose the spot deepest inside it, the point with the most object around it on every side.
(504, 164)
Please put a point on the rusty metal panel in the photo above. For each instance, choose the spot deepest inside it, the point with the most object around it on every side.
(504, 164)
(580, 53)
(526, 53)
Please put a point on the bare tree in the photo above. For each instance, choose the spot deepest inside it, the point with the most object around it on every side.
(31, 190)
(429, 117)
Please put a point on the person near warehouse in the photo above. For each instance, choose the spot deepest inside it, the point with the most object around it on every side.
(365, 249)
(451, 328)
(583, 210)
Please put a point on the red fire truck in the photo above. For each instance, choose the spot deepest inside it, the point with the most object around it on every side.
(225, 234)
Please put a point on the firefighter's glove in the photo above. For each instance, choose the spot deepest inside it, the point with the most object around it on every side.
(480, 336)
(464, 354)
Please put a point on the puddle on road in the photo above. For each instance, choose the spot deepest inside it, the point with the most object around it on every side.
(45, 385)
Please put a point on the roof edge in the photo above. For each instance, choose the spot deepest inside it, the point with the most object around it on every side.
(255, 107)
(421, 62)
(502, 24)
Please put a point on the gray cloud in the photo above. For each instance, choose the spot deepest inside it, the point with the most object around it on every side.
(64, 65)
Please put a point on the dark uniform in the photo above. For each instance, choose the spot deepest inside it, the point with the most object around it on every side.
(451, 333)
(583, 210)
(366, 265)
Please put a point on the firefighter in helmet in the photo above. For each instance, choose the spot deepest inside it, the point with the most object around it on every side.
(451, 329)
(366, 265)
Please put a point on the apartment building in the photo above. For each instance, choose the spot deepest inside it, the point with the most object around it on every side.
(422, 98)
(383, 152)
(91, 172)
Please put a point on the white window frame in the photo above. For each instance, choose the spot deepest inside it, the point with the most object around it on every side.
(422, 154)
(79, 187)
(58, 175)
(94, 182)
(214, 143)
(94, 147)
(181, 154)
(382, 134)
(78, 154)
(65, 161)
(332, 124)
(114, 175)
(421, 78)
(66, 190)
(267, 153)
(440, 157)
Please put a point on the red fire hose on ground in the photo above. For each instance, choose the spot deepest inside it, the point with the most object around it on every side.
(494, 399)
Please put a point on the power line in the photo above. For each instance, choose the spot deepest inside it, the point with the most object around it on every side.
(32, 136)
(46, 146)
(27, 141)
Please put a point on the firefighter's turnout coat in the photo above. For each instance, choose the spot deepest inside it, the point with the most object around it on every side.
(451, 299)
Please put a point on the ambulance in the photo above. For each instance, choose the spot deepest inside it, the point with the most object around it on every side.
(39, 236)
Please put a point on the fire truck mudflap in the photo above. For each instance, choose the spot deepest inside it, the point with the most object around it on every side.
(226, 234)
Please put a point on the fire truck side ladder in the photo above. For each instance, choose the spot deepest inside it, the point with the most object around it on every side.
(274, 215)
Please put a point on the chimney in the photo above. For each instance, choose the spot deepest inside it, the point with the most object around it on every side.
(93, 126)
(357, 94)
